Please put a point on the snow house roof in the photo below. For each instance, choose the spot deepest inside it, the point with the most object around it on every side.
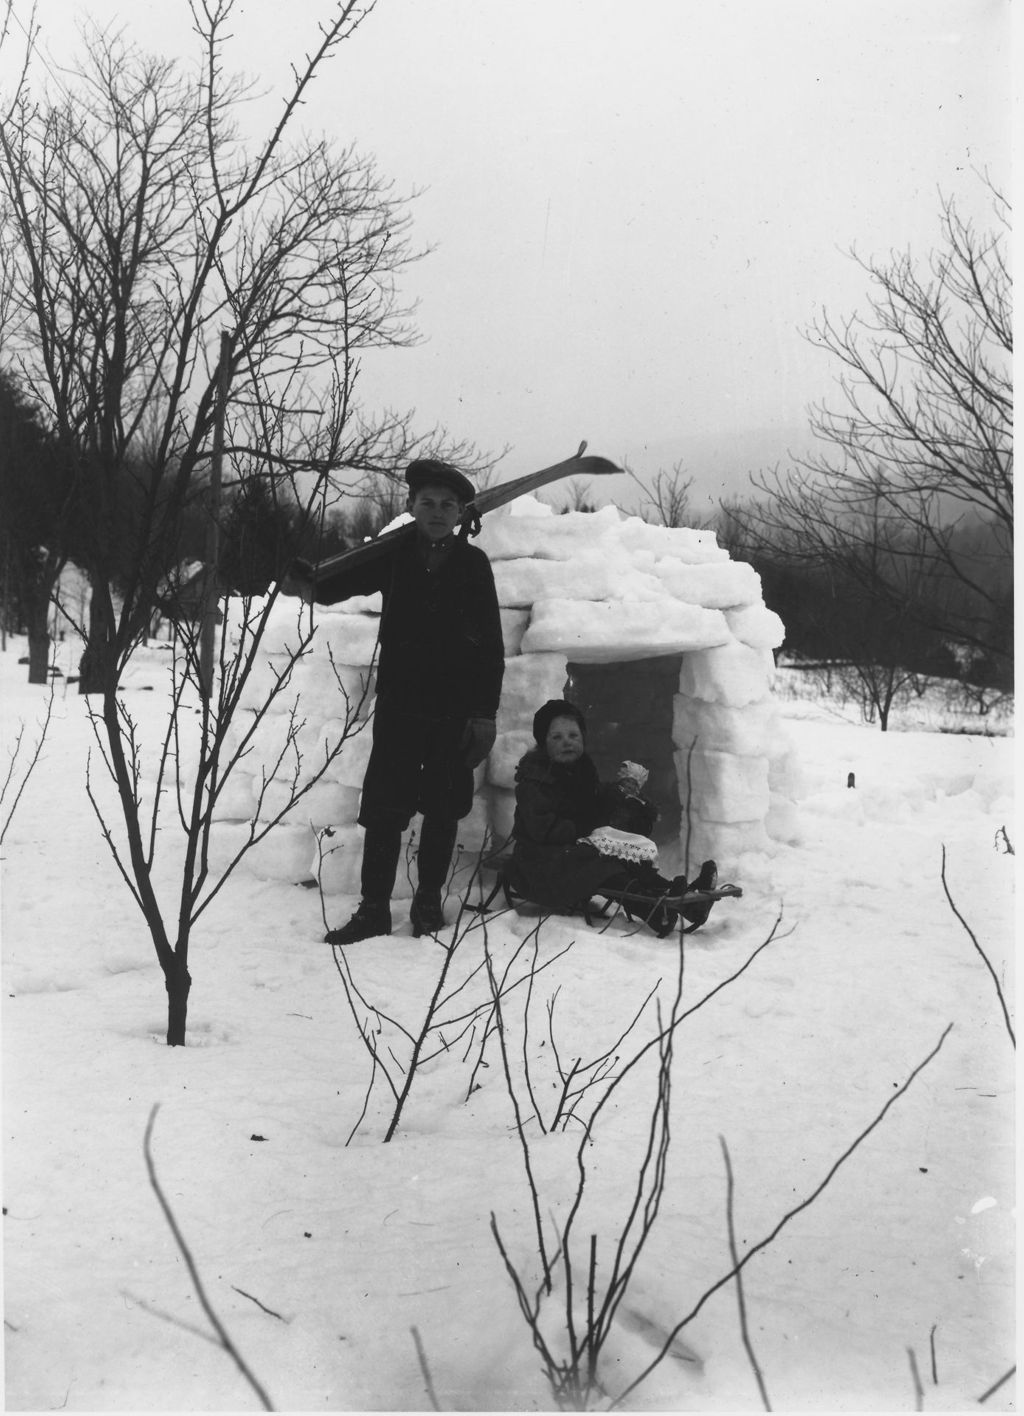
(601, 587)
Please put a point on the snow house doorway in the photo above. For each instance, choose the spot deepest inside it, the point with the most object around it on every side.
(629, 707)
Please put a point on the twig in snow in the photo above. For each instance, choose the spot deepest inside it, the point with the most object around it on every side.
(734, 1255)
(186, 1254)
(985, 958)
(424, 1368)
(918, 1388)
(269, 1311)
(996, 1385)
(931, 1344)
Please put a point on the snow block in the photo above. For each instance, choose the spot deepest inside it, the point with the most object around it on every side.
(787, 780)
(718, 585)
(733, 674)
(616, 631)
(590, 576)
(680, 543)
(325, 804)
(725, 788)
(513, 627)
(327, 690)
(262, 681)
(341, 863)
(283, 854)
(747, 732)
(349, 767)
(227, 838)
(530, 680)
(757, 626)
(235, 800)
(348, 639)
(507, 750)
(501, 813)
(286, 630)
(563, 538)
(267, 733)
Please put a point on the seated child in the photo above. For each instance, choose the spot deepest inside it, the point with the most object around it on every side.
(561, 856)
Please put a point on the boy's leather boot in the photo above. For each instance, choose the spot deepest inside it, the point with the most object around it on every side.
(372, 918)
(381, 849)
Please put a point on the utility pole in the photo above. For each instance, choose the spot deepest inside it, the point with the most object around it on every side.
(208, 628)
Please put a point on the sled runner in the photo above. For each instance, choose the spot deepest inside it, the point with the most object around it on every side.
(487, 499)
(660, 914)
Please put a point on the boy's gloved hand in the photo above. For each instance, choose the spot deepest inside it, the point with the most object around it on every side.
(477, 740)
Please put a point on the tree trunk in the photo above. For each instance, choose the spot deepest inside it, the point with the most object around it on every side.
(37, 596)
(39, 641)
(179, 982)
(90, 666)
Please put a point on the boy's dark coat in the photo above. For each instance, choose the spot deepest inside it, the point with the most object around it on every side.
(441, 649)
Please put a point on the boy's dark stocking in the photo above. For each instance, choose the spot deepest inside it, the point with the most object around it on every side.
(437, 841)
(382, 846)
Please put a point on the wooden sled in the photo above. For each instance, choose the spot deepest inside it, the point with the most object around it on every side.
(654, 913)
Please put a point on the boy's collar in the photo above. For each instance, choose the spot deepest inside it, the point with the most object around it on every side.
(429, 549)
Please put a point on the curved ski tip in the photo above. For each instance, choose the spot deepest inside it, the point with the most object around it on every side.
(600, 466)
(582, 448)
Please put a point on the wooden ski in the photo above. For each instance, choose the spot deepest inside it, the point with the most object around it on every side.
(487, 499)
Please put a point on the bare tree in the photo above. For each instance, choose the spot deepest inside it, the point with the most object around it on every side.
(666, 497)
(174, 294)
(139, 229)
(922, 445)
(580, 498)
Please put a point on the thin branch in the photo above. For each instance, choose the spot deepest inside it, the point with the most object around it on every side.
(916, 1376)
(520, 1127)
(269, 1311)
(425, 1369)
(186, 1254)
(748, 1346)
(985, 959)
(996, 1385)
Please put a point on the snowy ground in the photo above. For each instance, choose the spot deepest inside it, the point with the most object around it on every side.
(321, 1257)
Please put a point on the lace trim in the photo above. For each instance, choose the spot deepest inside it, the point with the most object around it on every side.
(623, 845)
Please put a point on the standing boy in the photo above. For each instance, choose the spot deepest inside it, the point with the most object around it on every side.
(438, 685)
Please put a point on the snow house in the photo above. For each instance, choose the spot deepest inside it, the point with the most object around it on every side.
(661, 639)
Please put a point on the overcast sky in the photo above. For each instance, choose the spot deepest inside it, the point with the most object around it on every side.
(637, 208)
